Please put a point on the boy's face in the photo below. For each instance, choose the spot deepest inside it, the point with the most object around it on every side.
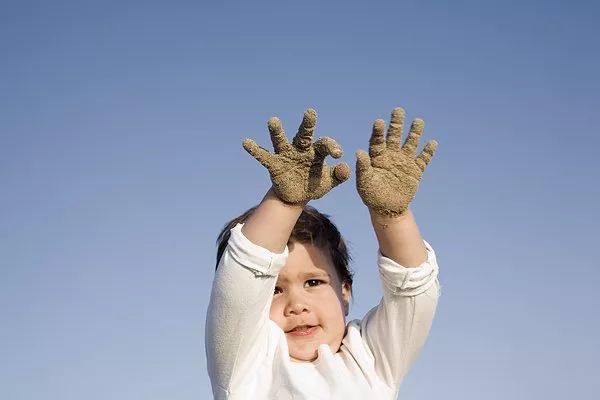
(310, 303)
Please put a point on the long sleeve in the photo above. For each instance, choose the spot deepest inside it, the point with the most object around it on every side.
(238, 314)
(396, 330)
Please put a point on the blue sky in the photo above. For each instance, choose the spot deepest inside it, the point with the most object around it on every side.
(121, 158)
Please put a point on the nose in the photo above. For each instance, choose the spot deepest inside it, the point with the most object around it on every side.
(295, 304)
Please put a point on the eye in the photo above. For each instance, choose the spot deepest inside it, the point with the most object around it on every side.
(314, 282)
(277, 290)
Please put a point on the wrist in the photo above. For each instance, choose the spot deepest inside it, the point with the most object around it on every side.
(385, 220)
(272, 195)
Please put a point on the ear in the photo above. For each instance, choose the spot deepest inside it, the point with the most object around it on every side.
(346, 294)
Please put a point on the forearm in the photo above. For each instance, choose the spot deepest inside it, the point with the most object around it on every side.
(399, 238)
(271, 224)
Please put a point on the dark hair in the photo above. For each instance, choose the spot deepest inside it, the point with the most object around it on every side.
(312, 227)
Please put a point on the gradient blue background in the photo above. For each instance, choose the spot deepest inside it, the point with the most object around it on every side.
(120, 159)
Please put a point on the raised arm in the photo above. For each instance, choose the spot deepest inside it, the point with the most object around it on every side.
(387, 180)
(298, 173)
(237, 322)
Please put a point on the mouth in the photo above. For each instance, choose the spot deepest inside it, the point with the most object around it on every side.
(303, 330)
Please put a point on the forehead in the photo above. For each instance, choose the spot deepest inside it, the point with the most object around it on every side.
(305, 259)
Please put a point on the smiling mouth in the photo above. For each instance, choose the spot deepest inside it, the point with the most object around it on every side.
(303, 330)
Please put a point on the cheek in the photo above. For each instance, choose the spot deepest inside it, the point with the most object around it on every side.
(276, 314)
(331, 307)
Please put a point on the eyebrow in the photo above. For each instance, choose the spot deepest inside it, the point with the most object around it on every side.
(308, 275)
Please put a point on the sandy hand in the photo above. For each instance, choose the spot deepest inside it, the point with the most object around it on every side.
(388, 177)
(298, 169)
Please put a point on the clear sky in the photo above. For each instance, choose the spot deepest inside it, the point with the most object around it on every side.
(120, 159)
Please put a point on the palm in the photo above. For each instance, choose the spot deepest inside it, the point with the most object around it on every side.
(393, 170)
(388, 177)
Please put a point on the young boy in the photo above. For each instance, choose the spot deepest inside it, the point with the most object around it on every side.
(276, 324)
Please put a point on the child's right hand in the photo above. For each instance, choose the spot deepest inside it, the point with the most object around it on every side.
(298, 169)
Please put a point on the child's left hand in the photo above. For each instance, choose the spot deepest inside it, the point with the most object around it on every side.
(388, 177)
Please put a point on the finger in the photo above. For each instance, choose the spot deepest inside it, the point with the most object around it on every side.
(278, 138)
(395, 129)
(303, 138)
(340, 173)
(427, 154)
(377, 142)
(262, 155)
(327, 146)
(363, 166)
(412, 141)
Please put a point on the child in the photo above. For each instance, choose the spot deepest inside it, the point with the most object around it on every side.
(276, 324)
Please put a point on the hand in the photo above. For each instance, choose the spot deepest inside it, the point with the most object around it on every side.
(298, 170)
(388, 177)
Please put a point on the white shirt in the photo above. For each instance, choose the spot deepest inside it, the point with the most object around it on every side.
(247, 353)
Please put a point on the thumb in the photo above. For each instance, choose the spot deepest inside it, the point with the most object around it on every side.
(340, 173)
(363, 166)
(262, 155)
